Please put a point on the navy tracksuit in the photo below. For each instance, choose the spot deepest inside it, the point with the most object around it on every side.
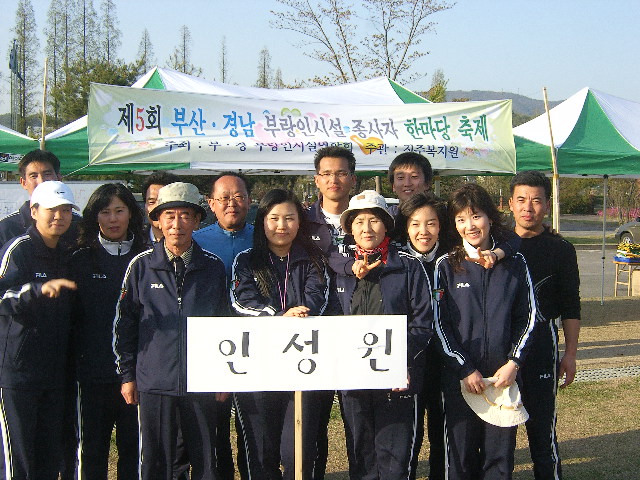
(381, 425)
(99, 274)
(554, 271)
(34, 334)
(150, 347)
(266, 418)
(483, 319)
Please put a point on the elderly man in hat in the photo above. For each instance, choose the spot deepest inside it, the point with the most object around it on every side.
(163, 286)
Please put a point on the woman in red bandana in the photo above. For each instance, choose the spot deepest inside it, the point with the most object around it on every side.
(381, 424)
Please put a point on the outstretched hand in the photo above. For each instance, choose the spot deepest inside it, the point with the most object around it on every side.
(486, 258)
(361, 268)
(53, 288)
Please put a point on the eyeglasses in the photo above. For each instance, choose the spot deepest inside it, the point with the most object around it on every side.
(339, 174)
(236, 198)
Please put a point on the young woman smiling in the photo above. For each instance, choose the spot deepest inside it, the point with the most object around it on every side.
(283, 274)
(483, 319)
(110, 236)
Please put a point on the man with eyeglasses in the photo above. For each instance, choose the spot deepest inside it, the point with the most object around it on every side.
(231, 234)
(335, 177)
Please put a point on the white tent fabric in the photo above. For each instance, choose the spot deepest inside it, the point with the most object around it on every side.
(624, 114)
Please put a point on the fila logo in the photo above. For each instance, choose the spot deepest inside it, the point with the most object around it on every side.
(545, 376)
(463, 285)
(41, 275)
(157, 285)
(99, 275)
(315, 238)
(341, 289)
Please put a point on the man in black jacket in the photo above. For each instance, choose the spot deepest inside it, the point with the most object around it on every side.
(162, 287)
(553, 267)
(34, 334)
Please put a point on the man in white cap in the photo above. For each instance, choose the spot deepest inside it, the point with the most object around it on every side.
(34, 329)
(163, 286)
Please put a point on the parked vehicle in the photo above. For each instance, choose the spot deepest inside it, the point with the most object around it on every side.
(628, 232)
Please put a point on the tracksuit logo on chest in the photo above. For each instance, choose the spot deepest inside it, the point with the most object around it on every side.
(463, 285)
(157, 285)
(41, 275)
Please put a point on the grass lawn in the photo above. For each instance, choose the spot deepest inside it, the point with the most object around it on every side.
(598, 422)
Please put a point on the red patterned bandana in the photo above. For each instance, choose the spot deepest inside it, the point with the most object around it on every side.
(380, 251)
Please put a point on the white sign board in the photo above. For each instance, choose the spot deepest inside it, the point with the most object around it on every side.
(251, 354)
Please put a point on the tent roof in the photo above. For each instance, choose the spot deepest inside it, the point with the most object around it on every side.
(594, 133)
(13, 145)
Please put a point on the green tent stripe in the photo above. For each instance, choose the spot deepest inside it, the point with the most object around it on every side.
(532, 155)
(407, 96)
(155, 82)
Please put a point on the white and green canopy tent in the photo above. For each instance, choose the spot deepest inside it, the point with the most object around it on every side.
(13, 146)
(595, 134)
(70, 143)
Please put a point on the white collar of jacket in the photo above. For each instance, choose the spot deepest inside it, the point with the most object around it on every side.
(425, 257)
(116, 248)
(472, 252)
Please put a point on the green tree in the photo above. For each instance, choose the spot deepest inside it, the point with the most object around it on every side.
(396, 28)
(28, 67)
(146, 57)
(110, 34)
(73, 95)
(264, 69)
(277, 79)
(438, 91)
(180, 59)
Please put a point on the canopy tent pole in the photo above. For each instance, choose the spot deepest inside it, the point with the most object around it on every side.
(436, 186)
(604, 233)
(44, 106)
(298, 449)
(555, 184)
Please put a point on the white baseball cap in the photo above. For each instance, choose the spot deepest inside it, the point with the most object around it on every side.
(368, 199)
(501, 407)
(52, 194)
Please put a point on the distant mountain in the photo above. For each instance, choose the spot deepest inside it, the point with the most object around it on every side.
(521, 104)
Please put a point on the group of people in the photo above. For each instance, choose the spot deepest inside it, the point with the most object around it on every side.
(93, 316)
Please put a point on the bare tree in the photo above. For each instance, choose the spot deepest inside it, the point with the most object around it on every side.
(146, 57)
(28, 67)
(180, 59)
(398, 25)
(264, 69)
(277, 79)
(110, 34)
(224, 62)
(86, 30)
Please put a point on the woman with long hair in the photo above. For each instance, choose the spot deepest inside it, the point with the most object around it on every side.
(283, 274)
(483, 320)
(381, 424)
(110, 236)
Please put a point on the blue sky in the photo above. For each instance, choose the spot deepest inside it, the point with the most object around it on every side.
(502, 45)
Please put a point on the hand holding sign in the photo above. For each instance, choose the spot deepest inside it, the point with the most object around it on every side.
(361, 268)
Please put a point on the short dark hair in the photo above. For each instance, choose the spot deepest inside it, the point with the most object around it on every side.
(411, 159)
(42, 156)
(160, 177)
(338, 152)
(532, 178)
(242, 177)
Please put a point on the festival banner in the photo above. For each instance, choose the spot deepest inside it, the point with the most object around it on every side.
(247, 354)
(213, 132)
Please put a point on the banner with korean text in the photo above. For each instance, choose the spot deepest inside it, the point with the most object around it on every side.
(247, 354)
(145, 127)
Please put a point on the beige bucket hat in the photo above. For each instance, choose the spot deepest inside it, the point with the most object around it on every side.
(501, 407)
(178, 194)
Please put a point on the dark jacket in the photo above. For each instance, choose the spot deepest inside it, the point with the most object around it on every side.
(337, 252)
(99, 276)
(484, 317)
(34, 329)
(150, 323)
(305, 286)
(18, 222)
(406, 290)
